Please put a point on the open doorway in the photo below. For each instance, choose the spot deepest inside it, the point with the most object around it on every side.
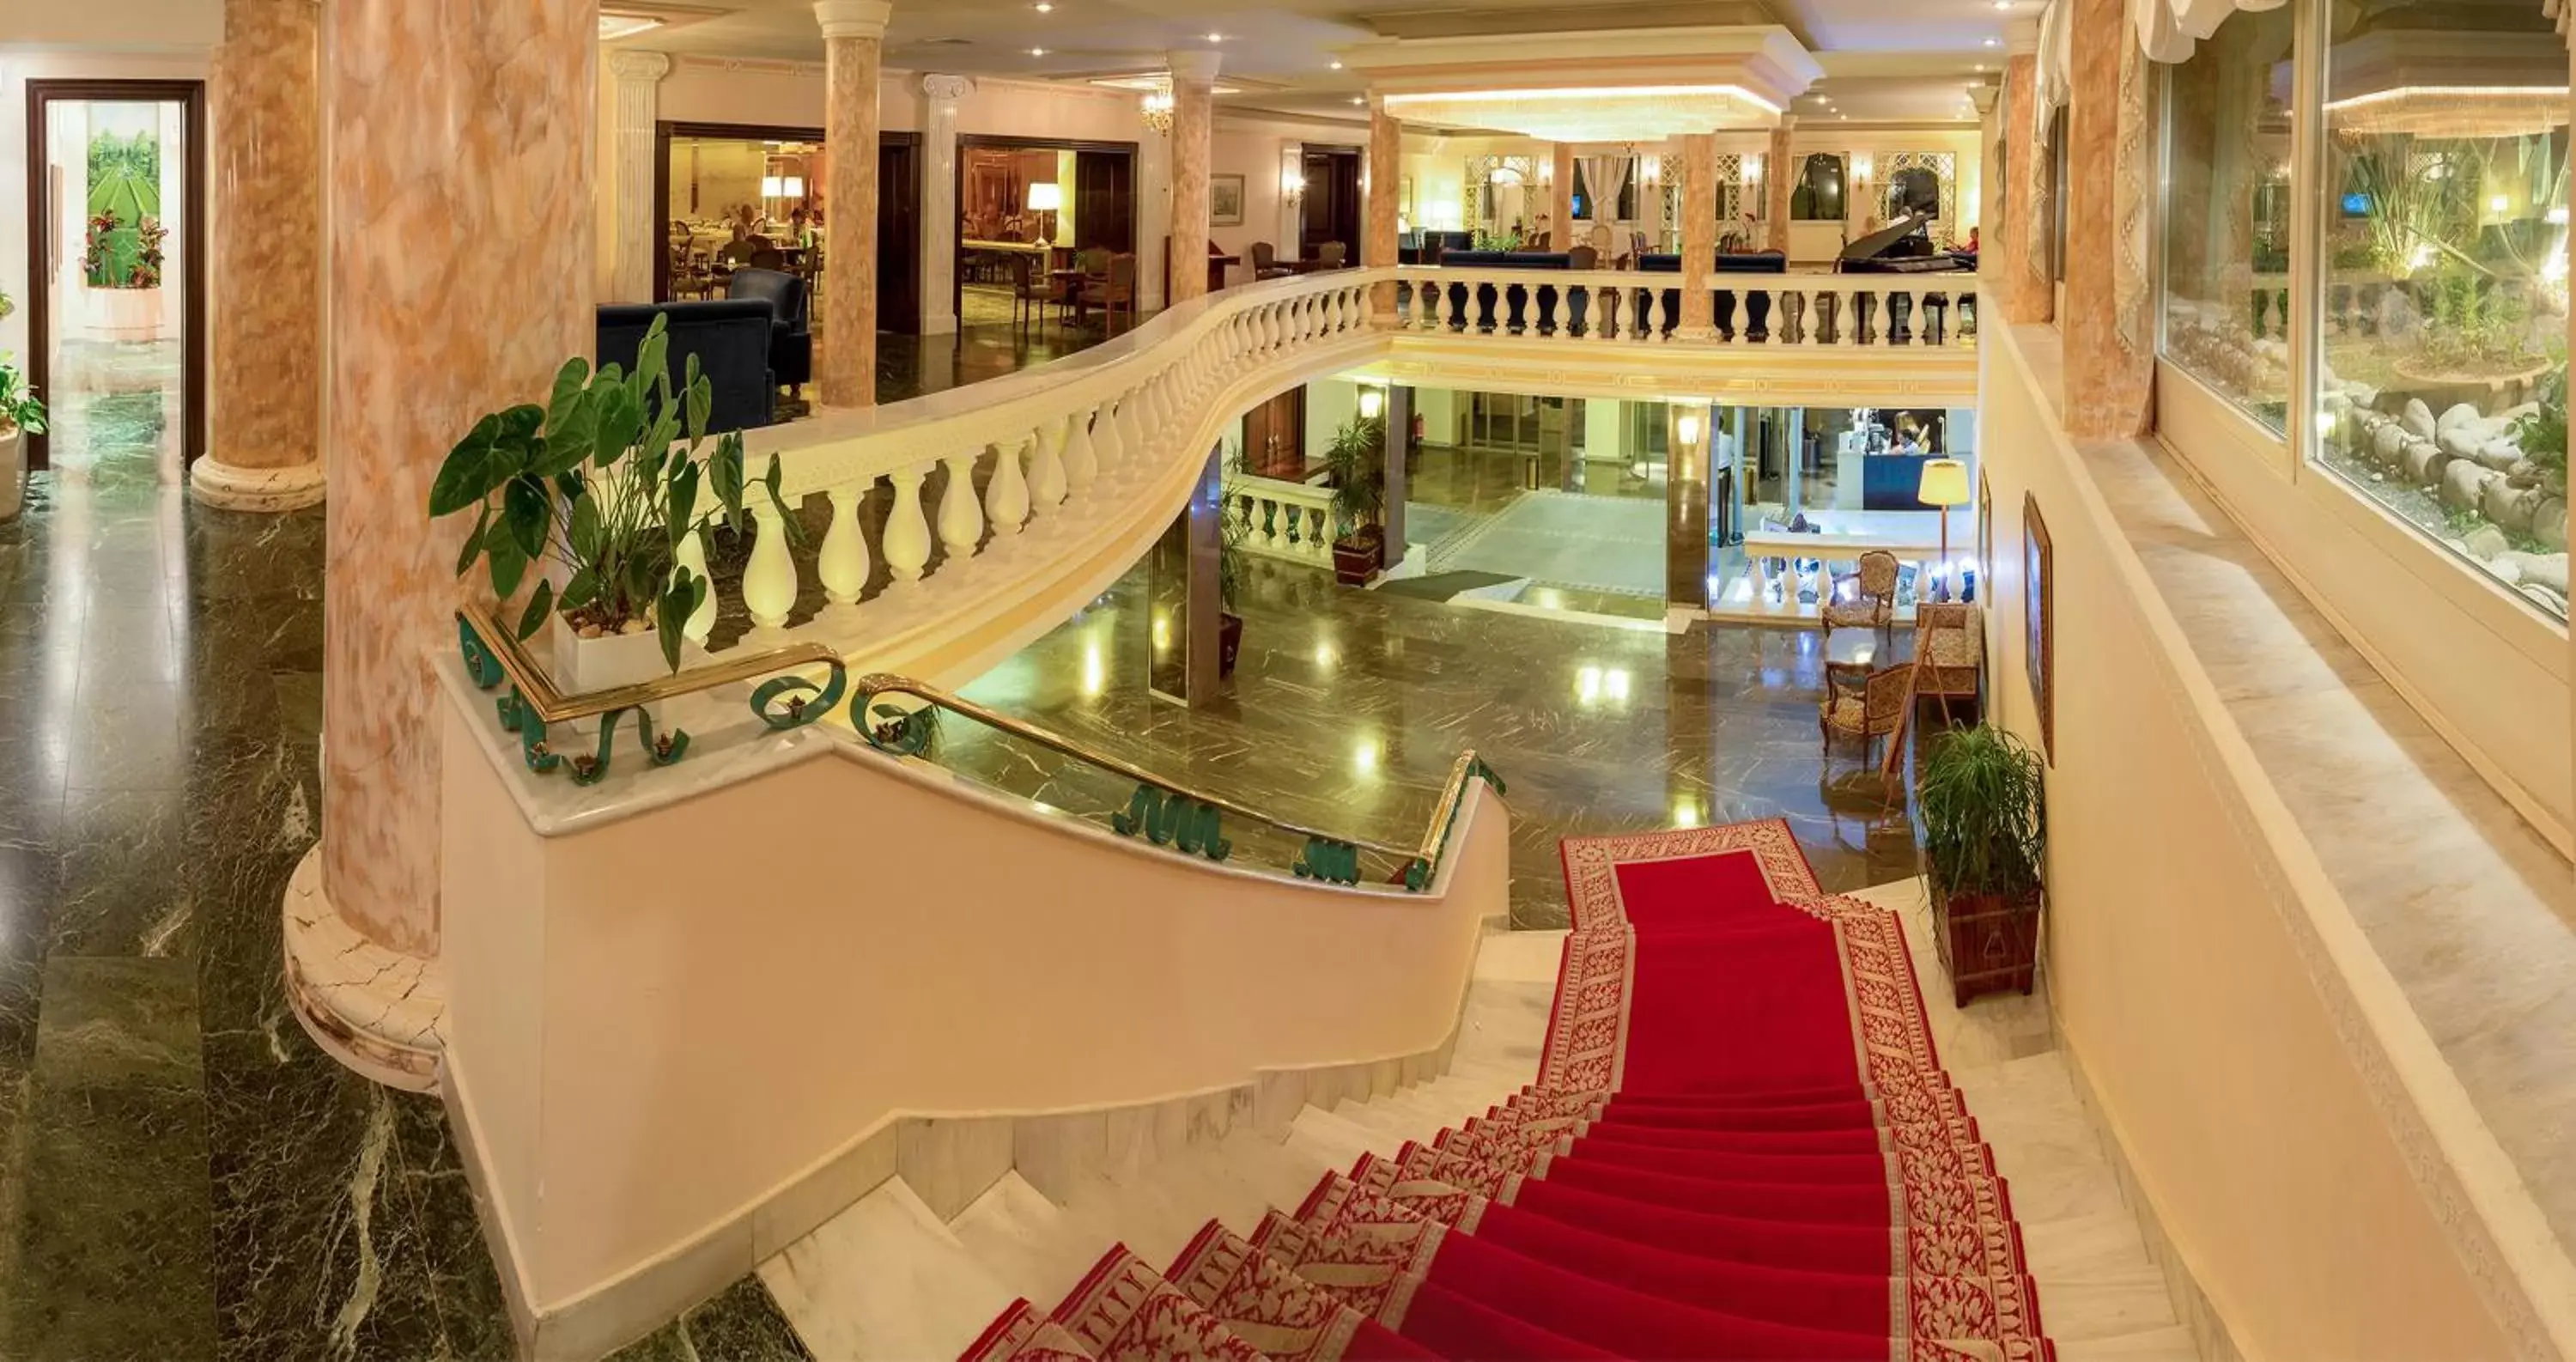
(1046, 232)
(1334, 206)
(740, 193)
(116, 246)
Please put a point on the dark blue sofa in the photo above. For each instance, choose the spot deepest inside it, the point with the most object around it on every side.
(731, 338)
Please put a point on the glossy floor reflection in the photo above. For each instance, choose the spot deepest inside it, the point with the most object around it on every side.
(183, 1175)
(1348, 707)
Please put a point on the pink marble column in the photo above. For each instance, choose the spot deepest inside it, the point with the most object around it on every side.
(1699, 234)
(1778, 176)
(266, 397)
(1560, 200)
(1385, 170)
(1193, 109)
(2110, 363)
(2029, 292)
(854, 56)
(459, 208)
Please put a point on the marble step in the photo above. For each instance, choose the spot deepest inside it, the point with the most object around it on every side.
(884, 1279)
(2105, 1305)
(2170, 1344)
(2081, 1246)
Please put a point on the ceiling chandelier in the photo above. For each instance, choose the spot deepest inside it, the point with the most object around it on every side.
(1158, 105)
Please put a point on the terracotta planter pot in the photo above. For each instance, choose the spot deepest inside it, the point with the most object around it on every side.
(1989, 943)
(1356, 557)
(1229, 642)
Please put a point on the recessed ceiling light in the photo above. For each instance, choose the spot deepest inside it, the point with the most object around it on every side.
(1037, 51)
(1992, 43)
(1980, 66)
(2003, 4)
(1216, 37)
(1844, 117)
(1337, 66)
(1043, 7)
(1359, 101)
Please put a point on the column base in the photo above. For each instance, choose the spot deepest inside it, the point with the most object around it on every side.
(256, 489)
(376, 1010)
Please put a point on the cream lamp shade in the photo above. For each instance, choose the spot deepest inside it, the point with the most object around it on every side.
(1046, 198)
(1945, 483)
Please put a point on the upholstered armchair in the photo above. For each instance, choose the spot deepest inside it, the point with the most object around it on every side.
(1864, 599)
(1864, 704)
(1949, 652)
(791, 340)
(1265, 262)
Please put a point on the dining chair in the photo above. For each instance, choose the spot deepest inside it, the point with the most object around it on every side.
(1113, 291)
(1265, 262)
(1864, 704)
(1332, 255)
(1033, 289)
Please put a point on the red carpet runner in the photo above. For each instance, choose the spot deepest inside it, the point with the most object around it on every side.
(1740, 1146)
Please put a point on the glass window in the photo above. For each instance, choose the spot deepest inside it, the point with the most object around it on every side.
(2444, 360)
(2227, 213)
(1817, 194)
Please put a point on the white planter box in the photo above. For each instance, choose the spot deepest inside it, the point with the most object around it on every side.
(125, 314)
(582, 665)
(13, 474)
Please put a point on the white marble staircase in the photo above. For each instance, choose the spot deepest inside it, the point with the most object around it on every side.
(887, 1279)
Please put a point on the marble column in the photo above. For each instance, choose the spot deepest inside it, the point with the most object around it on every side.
(1990, 165)
(1560, 199)
(2110, 357)
(2028, 288)
(1778, 179)
(266, 397)
(1193, 107)
(939, 96)
(1699, 234)
(1688, 437)
(1385, 187)
(639, 233)
(1154, 230)
(459, 212)
(1399, 441)
(853, 56)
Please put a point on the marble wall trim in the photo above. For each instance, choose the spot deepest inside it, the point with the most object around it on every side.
(265, 110)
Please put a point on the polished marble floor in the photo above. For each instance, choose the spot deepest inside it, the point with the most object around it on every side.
(183, 1175)
(1348, 707)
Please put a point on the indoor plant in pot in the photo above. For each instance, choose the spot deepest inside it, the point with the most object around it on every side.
(21, 415)
(1985, 837)
(596, 490)
(1356, 459)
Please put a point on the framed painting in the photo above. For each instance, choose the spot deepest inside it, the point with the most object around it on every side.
(1985, 588)
(1225, 200)
(2039, 623)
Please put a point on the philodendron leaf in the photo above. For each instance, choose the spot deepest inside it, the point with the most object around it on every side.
(652, 360)
(569, 381)
(540, 602)
(572, 432)
(466, 477)
(508, 563)
(769, 483)
(587, 530)
(621, 419)
(526, 506)
(582, 590)
(671, 612)
(474, 542)
(724, 470)
(702, 402)
(684, 502)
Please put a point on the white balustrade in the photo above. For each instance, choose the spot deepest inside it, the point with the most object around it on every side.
(961, 517)
(843, 561)
(1852, 311)
(769, 581)
(1006, 497)
(1282, 519)
(693, 556)
(1081, 459)
(907, 533)
(1048, 481)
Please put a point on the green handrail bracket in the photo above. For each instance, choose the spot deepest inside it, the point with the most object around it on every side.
(1330, 861)
(1167, 818)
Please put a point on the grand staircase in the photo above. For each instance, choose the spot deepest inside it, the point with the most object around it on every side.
(1477, 1215)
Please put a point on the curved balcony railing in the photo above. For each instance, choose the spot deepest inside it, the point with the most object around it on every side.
(1619, 307)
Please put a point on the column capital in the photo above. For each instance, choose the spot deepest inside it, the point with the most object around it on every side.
(2021, 36)
(1196, 66)
(947, 88)
(1983, 96)
(630, 63)
(853, 18)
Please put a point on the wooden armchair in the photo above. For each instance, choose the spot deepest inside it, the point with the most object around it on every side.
(1265, 262)
(1864, 599)
(1864, 704)
(1949, 652)
(1034, 289)
(1113, 291)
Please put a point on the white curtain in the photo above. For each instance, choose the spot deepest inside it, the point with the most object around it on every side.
(1605, 176)
(2168, 29)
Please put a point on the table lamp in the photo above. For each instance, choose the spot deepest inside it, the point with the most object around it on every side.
(1047, 199)
(1945, 484)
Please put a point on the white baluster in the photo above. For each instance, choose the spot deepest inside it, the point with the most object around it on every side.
(1107, 443)
(961, 517)
(1274, 331)
(1132, 431)
(1769, 312)
(1046, 469)
(1081, 457)
(1006, 497)
(843, 561)
(693, 556)
(1319, 533)
(769, 580)
(1426, 305)
(907, 533)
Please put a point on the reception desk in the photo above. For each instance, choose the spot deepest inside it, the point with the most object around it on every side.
(1760, 595)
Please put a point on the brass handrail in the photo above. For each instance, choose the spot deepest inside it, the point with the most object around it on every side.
(1434, 836)
(537, 690)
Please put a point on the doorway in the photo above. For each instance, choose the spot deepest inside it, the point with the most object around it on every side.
(1334, 206)
(706, 176)
(116, 269)
(1026, 206)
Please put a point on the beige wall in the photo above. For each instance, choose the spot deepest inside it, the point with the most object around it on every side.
(1259, 149)
(2235, 1027)
(655, 1046)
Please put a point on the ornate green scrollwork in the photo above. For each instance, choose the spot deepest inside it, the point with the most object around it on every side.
(1330, 861)
(805, 701)
(480, 664)
(904, 732)
(590, 768)
(517, 717)
(1418, 871)
(1174, 820)
(1417, 875)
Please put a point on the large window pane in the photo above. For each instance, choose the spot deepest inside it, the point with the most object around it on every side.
(2444, 305)
(2227, 213)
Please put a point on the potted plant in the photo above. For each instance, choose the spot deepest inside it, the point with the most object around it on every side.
(1356, 460)
(1985, 838)
(595, 490)
(21, 415)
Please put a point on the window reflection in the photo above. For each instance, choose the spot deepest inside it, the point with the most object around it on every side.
(2227, 238)
(1817, 193)
(2443, 369)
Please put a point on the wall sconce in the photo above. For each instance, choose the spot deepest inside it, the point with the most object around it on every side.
(1650, 170)
(1547, 171)
(1292, 185)
(1860, 166)
(1372, 401)
(1753, 168)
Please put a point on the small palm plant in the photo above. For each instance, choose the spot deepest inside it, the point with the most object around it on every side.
(1984, 834)
(1356, 460)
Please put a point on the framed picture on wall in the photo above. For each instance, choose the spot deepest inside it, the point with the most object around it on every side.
(1985, 590)
(1225, 200)
(2039, 623)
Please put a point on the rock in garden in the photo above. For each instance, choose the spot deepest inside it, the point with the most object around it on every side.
(2464, 484)
(2542, 569)
(2506, 570)
(2485, 542)
(2461, 416)
(2387, 442)
(2460, 442)
(2509, 506)
(2501, 455)
(2418, 419)
(2335, 403)
(2549, 523)
(2423, 462)
(2546, 599)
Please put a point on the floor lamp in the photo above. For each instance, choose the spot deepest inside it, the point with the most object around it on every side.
(1945, 484)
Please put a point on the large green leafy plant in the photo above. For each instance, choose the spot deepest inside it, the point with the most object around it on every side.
(19, 407)
(1357, 461)
(1983, 830)
(596, 481)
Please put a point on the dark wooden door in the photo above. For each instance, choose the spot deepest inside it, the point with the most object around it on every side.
(899, 234)
(1333, 208)
(1274, 437)
(1104, 199)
